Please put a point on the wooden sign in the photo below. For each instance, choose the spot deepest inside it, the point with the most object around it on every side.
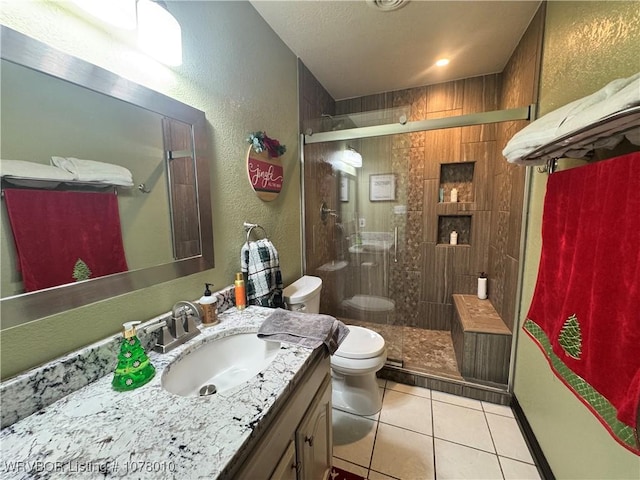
(266, 174)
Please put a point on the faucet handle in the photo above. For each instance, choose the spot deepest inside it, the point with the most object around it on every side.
(190, 324)
(154, 326)
(178, 324)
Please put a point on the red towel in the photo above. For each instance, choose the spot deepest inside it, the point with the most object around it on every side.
(585, 313)
(55, 231)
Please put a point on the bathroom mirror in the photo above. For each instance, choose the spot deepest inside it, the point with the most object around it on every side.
(133, 101)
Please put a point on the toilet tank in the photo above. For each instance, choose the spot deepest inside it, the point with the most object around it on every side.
(303, 295)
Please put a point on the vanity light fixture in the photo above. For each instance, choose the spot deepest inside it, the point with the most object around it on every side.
(352, 157)
(159, 33)
(117, 13)
(442, 62)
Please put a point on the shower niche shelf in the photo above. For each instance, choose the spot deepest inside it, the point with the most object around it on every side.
(459, 223)
(457, 175)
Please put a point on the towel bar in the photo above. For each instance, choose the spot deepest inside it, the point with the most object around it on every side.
(249, 228)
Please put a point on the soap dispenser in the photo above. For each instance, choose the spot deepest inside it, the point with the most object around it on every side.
(209, 304)
(134, 368)
(482, 286)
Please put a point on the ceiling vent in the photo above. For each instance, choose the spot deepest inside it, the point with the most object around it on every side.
(387, 5)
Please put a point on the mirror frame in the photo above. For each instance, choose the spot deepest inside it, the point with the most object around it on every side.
(28, 52)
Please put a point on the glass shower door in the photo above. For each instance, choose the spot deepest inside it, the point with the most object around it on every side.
(364, 223)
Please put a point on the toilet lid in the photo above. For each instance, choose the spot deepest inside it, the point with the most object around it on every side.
(361, 343)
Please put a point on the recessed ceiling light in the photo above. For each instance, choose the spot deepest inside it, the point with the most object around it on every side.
(442, 62)
(387, 5)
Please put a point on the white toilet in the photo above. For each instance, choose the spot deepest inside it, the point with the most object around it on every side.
(355, 363)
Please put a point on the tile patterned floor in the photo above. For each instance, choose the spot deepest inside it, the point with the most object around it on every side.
(419, 349)
(423, 434)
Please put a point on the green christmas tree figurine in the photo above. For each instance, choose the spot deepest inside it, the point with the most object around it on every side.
(134, 368)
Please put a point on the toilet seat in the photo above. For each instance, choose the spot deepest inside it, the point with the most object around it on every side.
(361, 343)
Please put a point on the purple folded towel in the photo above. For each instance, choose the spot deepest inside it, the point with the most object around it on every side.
(305, 329)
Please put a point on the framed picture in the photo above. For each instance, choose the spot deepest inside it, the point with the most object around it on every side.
(344, 189)
(382, 187)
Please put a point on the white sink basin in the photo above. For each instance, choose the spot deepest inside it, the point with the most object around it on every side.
(223, 363)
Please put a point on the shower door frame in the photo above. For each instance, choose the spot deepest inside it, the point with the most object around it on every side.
(496, 116)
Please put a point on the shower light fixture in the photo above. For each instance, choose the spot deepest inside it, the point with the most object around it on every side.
(352, 157)
(442, 62)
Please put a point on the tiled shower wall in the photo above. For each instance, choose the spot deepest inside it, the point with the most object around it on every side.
(519, 88)
(429, 271)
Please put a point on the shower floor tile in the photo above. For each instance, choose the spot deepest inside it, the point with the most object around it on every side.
(419, 350)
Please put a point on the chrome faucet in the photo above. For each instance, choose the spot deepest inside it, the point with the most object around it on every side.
(179, 328)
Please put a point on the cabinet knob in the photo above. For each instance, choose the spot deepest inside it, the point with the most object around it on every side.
(309, 440)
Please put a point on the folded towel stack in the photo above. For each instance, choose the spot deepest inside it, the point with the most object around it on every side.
(92, 171)
(613, 97)
(304, 329)
(22, 173)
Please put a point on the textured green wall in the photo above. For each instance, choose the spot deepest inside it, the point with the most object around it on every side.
(244, 78)
(586, 45)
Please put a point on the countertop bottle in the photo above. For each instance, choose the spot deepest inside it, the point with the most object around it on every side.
(241, 294)
(209, 305)
(134, 368)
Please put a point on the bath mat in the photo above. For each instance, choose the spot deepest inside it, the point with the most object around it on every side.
(340, 474)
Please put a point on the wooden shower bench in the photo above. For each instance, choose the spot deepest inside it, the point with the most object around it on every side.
(481, 340)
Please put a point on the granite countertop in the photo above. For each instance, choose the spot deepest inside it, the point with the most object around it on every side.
(149, 432)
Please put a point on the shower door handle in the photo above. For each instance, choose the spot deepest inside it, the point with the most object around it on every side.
(395, 245)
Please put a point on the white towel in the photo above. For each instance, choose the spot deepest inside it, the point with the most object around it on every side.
(23, 173)
(92, 171)
(613, 97)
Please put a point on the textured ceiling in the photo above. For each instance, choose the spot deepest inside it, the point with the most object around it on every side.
(355, 50)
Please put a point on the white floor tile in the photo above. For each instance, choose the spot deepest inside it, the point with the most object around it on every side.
(456, 400)
(496, 409)
(457, 462)
(407, 411)
(373, 475)
(350, 467)
(353, 438)
(508, 438)
(401, 387)
(514, 470)
(462, 425)
(403, 454)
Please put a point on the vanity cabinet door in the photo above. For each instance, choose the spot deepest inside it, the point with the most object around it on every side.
(314, 438)
(287, 467)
